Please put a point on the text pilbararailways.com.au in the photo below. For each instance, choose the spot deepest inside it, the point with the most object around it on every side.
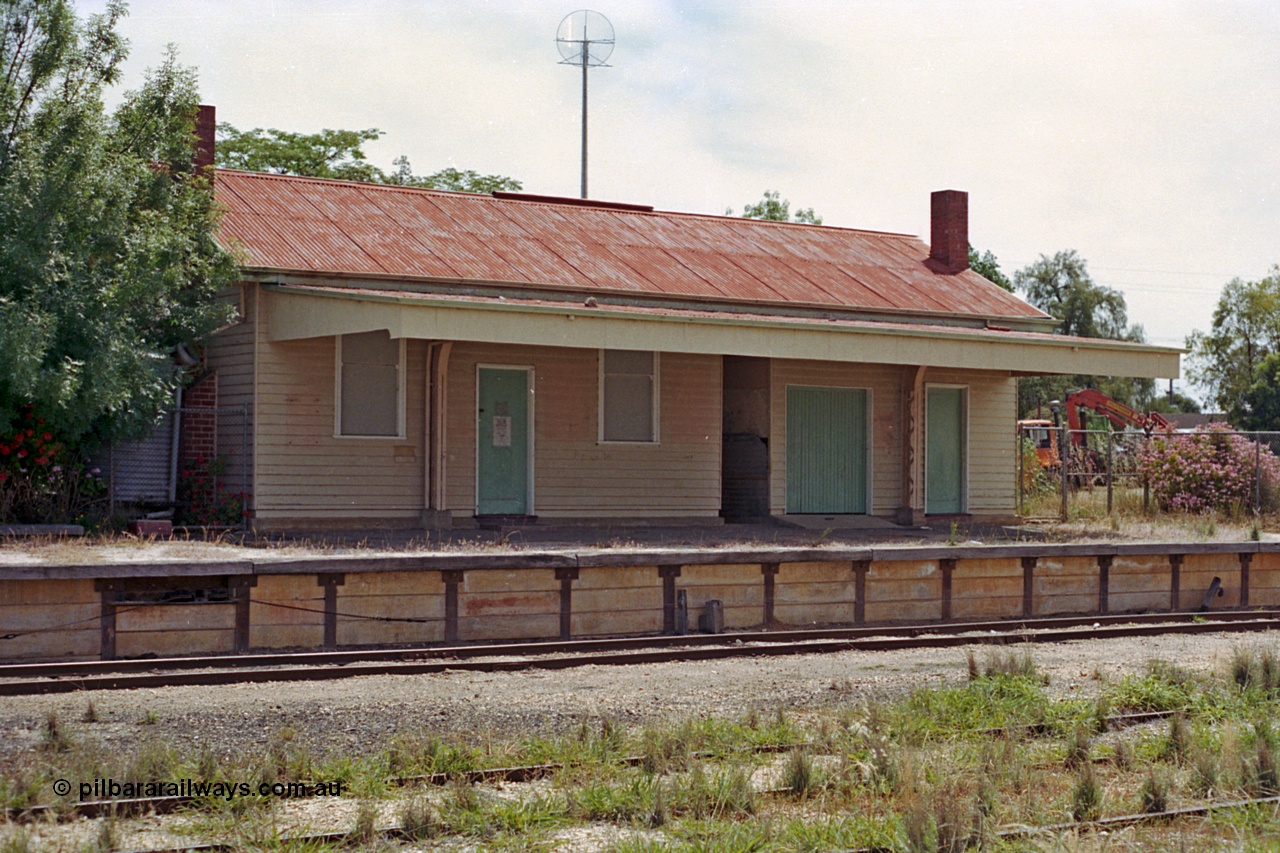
(112, 789)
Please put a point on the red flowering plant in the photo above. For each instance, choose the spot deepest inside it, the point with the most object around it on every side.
(203, 497)
(1213, 468)
(42, 478)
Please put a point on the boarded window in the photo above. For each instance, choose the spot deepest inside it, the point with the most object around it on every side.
(628, 392)
(369, 385)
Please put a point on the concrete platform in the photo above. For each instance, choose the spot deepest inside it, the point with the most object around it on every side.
(15, 530)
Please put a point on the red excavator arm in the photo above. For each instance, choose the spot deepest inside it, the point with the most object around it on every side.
(1113, 410)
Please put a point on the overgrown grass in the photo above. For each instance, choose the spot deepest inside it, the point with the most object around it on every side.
(1162, 687)
(939, 769)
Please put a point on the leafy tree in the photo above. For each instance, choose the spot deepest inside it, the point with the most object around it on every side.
(1226, 361)
(327, 154)
(1259, 407)
(449, 179)
(1061, 287)
(1176, 402)
(337, 154)
(988, 267)
(774, 208)
(107, 251)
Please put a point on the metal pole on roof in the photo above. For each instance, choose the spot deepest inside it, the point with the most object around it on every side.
(575, 49)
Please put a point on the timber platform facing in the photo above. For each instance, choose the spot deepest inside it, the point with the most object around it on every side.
(139, 609)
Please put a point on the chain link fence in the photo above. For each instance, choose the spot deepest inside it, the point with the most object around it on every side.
(193, 468)
(1101, 472)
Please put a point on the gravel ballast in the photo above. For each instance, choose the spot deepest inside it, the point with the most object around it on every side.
(356, 715)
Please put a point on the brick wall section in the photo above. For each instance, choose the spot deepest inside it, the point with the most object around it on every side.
(199, 441)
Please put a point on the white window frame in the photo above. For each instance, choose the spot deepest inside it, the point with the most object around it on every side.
(400, 393)
(656, 409)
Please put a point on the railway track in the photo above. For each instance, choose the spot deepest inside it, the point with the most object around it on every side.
(130, 807)
(39, 678)
(402, 834)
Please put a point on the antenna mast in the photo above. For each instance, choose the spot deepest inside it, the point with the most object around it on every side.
(575, 37)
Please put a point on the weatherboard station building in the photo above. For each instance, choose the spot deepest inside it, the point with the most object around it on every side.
(414, 358)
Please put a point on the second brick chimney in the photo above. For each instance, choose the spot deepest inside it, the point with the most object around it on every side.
(949, 243)
(206, 130)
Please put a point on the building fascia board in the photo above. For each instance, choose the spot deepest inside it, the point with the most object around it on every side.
(296, 313)
(573, 295)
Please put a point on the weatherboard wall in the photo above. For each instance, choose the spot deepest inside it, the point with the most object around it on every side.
(229, 354)
(305, 472)
(575, 474)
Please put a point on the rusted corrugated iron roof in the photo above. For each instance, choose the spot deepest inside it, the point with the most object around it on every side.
(312, 226)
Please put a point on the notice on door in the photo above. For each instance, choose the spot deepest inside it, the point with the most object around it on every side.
(501, 431)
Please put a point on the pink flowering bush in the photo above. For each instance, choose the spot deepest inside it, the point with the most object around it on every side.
(1210, 469)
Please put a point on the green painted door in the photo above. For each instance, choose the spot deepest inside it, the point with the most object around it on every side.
(826, 450)
(502, 432)
(944, 451)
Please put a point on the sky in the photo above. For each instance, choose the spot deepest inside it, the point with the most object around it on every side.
(1143, 135)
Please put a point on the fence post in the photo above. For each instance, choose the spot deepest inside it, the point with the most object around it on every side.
(1257, 474)
(1064, 454)
(111, 481)
(1017, 449)
(1110, 476)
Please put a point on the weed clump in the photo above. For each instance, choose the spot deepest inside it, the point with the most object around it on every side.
(1078, 748)
(1154, 794)
(366, 825)
(886, 771)
(53, 736)
(946, 820)
(417, 819)
(1086, 796)
(665, 750)
(1260, 773)
(107, 838)
(799, 776)
(1122, 755)
(1004, 664)
(725, 794)
(1257, 668)
(1178, 742)
(18, 841)
(1163, 687)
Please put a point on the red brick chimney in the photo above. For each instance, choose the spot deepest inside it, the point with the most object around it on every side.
(949, 245)
(206, 128)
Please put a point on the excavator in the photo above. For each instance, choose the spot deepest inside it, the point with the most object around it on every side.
(1044, 433)
(1118, 413)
